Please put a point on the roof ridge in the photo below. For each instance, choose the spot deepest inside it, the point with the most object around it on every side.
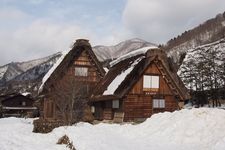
(136, 52)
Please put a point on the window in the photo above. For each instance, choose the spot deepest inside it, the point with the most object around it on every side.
(158, 103)
(23, 103)
(81, 71)
(150, 83)
(115, 104)
(93, 109)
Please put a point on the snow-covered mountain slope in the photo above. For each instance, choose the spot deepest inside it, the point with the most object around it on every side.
(15, 69)
(202, 65)
(37, 71)
(196, 53)
(3, 69)
(12, 71)
(30, 64)
(210, 31)
(111, 52)
(194, 129)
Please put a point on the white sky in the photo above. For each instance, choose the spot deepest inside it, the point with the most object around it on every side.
(36, 28)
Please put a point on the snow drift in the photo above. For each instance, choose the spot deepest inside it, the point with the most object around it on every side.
(195, 129)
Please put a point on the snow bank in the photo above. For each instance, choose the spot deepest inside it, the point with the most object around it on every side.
(16, 134)
(194, 129)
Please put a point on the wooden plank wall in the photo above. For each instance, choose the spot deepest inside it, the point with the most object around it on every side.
(85, 61)
(108, 114)
(152, 70)
(137, 107)
(141, 106)
(138, 104)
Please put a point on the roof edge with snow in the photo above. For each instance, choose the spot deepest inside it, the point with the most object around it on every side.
(136, 52)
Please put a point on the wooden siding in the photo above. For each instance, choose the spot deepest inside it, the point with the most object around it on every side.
(84, 60)
(139, 104)
(136, 106)
(152, 70)
(50, 109)
(108, 114)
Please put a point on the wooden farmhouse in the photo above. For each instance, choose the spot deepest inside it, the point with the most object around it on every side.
(17, 105)
(138, 85)
(67, 86)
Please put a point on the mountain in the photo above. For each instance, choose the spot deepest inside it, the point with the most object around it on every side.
(111, 52)
(26, 76)
(15, 69)
(208, 32)
(18, 76)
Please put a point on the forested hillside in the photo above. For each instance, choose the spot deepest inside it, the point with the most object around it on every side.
(210, 31)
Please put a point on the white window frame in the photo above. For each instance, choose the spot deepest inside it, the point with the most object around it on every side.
(159, 103)
(81, 71)
(115, 104)
(148, 81)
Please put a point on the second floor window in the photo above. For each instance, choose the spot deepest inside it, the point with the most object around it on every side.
(150, 83)
(81, 71)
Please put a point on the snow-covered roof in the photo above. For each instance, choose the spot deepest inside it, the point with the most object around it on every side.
(48, 74)
(106, 69)
(131, 54)
(26, 93)
(119, 79)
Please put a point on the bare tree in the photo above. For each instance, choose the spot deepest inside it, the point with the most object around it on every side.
(71, 99)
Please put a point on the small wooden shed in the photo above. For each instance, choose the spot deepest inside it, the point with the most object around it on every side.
(138, 85)
(17, 105)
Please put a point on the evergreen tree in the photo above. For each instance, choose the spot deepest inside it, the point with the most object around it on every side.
(203, 71)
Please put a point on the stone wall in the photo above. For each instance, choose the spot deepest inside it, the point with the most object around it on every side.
(43, 126)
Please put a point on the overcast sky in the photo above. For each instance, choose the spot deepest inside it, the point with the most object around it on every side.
(32, 29)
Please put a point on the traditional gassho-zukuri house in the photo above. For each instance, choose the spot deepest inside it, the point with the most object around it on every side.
(73, 77)
(138, 85)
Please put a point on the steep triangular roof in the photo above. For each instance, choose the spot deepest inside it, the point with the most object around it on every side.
(67, 59)
(126, 71)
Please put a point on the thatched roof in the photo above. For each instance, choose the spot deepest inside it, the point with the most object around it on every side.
(125, 73)
(67, 60)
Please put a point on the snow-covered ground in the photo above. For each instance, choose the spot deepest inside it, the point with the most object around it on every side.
(194, 129)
